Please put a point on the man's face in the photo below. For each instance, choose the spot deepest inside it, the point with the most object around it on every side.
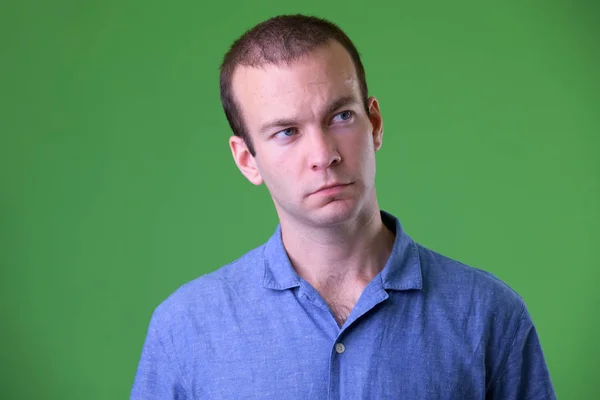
(310, 130)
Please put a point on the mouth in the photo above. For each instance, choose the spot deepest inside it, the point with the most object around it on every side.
(331, 189)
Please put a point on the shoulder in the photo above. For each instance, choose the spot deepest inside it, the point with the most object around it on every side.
(465, 285)
(210, 291)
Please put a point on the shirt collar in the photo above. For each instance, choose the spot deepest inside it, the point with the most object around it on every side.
(402, 271)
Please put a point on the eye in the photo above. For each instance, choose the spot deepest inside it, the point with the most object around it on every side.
(343, 116)
(286, 133)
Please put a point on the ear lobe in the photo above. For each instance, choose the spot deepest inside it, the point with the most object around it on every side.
(376, 122)
(244, 160)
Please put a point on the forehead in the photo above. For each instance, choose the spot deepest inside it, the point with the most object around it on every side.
(297, 90)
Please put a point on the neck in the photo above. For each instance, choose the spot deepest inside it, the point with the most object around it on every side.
(349, 253)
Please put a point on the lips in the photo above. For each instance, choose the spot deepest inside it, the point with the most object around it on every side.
(331, 188)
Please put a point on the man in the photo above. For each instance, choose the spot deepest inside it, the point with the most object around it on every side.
(340, 303)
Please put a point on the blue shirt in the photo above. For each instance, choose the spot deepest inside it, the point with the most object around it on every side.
(426, 327)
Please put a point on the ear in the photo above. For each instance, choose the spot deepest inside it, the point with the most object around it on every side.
(244, 160)
(376, 122)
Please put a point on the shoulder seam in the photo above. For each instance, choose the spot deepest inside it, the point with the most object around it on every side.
(502, 369)
(173, 359)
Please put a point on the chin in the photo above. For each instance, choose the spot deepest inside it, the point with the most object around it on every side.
(334, 213)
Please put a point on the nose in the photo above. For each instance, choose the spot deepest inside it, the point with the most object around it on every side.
(323, 152)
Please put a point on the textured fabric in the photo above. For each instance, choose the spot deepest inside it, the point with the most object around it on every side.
(426, 327)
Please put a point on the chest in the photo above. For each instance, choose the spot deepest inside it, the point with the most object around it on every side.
(341, 299)
(340, 304)
(296, 351)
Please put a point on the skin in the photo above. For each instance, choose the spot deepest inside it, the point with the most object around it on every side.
(335, 239)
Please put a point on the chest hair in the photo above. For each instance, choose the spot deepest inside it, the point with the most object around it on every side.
(341, 302)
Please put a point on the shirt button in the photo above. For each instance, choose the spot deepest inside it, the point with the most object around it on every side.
(340, 348)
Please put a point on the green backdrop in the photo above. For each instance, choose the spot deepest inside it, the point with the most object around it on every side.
(117, 184)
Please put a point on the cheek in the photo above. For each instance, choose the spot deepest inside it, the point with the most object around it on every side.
(359, 149)
(278, 174)
(365, 156)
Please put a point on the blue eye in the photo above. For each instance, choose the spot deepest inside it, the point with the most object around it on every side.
(289, 132)
(344, 115)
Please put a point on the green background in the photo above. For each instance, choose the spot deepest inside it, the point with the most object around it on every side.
(117, 184)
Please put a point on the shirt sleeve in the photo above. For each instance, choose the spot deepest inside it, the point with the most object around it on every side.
(158, 375)
(525, 374)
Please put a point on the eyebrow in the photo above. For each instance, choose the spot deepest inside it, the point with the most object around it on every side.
(283, 122)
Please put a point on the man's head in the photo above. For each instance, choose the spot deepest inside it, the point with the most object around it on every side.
(294, 92)
(278, 41)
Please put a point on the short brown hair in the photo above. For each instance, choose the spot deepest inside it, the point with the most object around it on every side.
(281, 39)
